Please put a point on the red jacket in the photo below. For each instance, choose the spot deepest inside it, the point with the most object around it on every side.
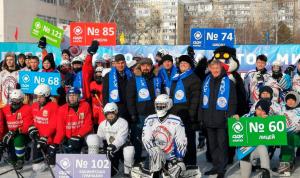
(3, 128)
(97, 103)
(20, 120)
(71, 123)
(45, 119)
(87, 75)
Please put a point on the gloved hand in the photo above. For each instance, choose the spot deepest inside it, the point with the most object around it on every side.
(93, 48)
(290, 69)
(8, 137)
(42, 142)
(33, 133)
(75, 143)
(175, 167)
(259, 78)
(110, 151)
(94, 92)
(52, 153)
(42, 43)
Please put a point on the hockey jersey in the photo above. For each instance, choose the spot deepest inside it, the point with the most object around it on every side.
(252, 86)
(45, 119)
(71, 123)
(296, 83)
(21, 120)
(8, 82)
(292, 118)
(169, 135)
(116, 134)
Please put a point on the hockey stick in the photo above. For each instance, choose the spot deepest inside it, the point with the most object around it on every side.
(46, 160)
(16, 171)
(7, 171)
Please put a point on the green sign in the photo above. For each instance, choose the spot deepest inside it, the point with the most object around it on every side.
(253, 131)
(52, 33)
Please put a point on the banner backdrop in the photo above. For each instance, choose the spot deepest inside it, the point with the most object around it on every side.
(288, 54)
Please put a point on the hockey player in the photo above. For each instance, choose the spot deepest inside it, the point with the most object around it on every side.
(18, 119)
(255, 79)
(296, 78)
(44, 113)
(113, 133)
(74, 122)
(97, 103)
(8, 77)
(247, 154)
(292, 113)
(164, 132)
(266, 93)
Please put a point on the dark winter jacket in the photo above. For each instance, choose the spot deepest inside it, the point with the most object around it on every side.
(187, 111)
(122, 104)
(242, 105)
(144, 108)
(211, 117)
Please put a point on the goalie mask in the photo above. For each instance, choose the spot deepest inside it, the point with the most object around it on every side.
(111, 112)
(163, 103)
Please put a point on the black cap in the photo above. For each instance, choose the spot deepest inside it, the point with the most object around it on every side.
(263, 105)
(266, 89)
(187, 59)
(167, 57)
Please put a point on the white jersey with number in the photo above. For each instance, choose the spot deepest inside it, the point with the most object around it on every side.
(116, 134)
(296, 83)
(252, 86)
(169, 135)
(8, 82)
(292, 118)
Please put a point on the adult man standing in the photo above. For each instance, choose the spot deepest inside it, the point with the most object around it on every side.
(185, 93)
(114, 86)
(167, 71)
(141, 93)
(218, 101)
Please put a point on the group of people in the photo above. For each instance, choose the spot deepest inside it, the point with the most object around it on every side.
(121, 109)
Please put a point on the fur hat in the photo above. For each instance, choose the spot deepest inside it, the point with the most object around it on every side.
(187, 59)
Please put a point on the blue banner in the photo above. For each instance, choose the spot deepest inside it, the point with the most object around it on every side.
(246, 54)
(27, 48)
(30, 80)
(211, 38)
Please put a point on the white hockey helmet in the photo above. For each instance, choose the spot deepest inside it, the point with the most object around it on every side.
(277, 63)
(16, 95)
(163, 103)
(77, 59)
(43, 90)
(93, 142)
(65, 62)
(110, 107)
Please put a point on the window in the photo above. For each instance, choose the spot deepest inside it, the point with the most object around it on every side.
(63, 21)
(49, 19)
(49, 1)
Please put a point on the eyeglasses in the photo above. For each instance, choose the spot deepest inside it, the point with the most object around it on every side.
(222, 55)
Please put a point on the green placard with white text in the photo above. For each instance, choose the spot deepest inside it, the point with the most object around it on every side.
(253, 131)
(52, 33)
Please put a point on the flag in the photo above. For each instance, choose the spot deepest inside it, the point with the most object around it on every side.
(16, 34)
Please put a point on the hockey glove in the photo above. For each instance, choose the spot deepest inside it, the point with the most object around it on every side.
(175, 167)
(42, 43)
(75, 143)
(93, 48)
(8, 137)
(110, 151)
(33, 133)
(42, 142)
(290, 69)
